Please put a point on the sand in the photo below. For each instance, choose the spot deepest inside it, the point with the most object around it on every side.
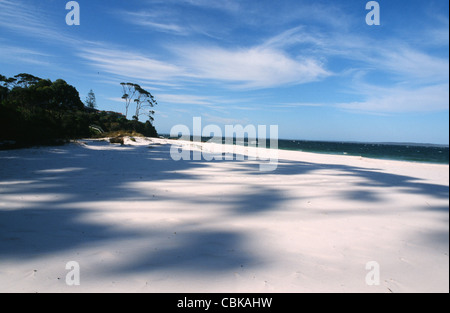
(137, 221)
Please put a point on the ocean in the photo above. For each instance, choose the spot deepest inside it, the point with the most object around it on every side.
(426, 153)
(391, 151)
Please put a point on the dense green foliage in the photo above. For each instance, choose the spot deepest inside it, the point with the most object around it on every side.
(39, 111)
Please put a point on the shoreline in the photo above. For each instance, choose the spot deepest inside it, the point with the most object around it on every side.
(244, 149)
(391, 158)
(12, 146)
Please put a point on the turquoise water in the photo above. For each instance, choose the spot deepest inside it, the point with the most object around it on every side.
(404, 152)
(391, 151)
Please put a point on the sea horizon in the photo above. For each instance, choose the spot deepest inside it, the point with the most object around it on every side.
(401, 151)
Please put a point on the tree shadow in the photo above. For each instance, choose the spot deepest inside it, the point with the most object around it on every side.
(256, 201)
(46, 180)
(196, 251)
(33, 233)
(372, 177)
(363, 195)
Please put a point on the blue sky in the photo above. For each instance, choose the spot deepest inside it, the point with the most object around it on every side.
(315, 68)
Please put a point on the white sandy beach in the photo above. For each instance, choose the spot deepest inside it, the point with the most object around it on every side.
(137, 221)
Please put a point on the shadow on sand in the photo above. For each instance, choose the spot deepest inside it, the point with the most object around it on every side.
(38, 225)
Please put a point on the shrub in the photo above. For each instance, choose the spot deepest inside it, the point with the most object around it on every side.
(116, 140)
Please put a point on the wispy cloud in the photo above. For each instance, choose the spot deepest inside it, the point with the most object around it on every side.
(186, 99)
(411, 65)
(24, 55)
(224, 120)
(383, 55)
(253, 67)
(300, 104)
(247, 68)
(15, 16)
(223, 5)
(397, 100)
(25, 18)
(132, 65)
(299, 35)
(414, 79)
(401, 73)
(214, 103)
(115, 99)
(154, 21)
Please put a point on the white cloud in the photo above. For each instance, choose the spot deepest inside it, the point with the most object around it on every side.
(299, 104)
(252, 67)
(412, 65)
(224, 120)
(115, 99)
(397, 100)
(396, 58)
(184, 99)
(24, 55)
(243, 68)
(413, 77)
(132, 65)
(163, 27)
(25, 18)
(152, 20)
(295, 36)
(14, 16)
(223, 5)
(187, 100)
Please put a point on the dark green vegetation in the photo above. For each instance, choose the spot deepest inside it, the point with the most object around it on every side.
(39, 111)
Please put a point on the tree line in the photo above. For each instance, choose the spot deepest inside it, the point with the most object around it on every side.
(40, 111)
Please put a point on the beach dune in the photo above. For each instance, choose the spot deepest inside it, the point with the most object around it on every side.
(135, 220)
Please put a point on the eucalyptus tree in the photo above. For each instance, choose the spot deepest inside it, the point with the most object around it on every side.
(143, 100)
